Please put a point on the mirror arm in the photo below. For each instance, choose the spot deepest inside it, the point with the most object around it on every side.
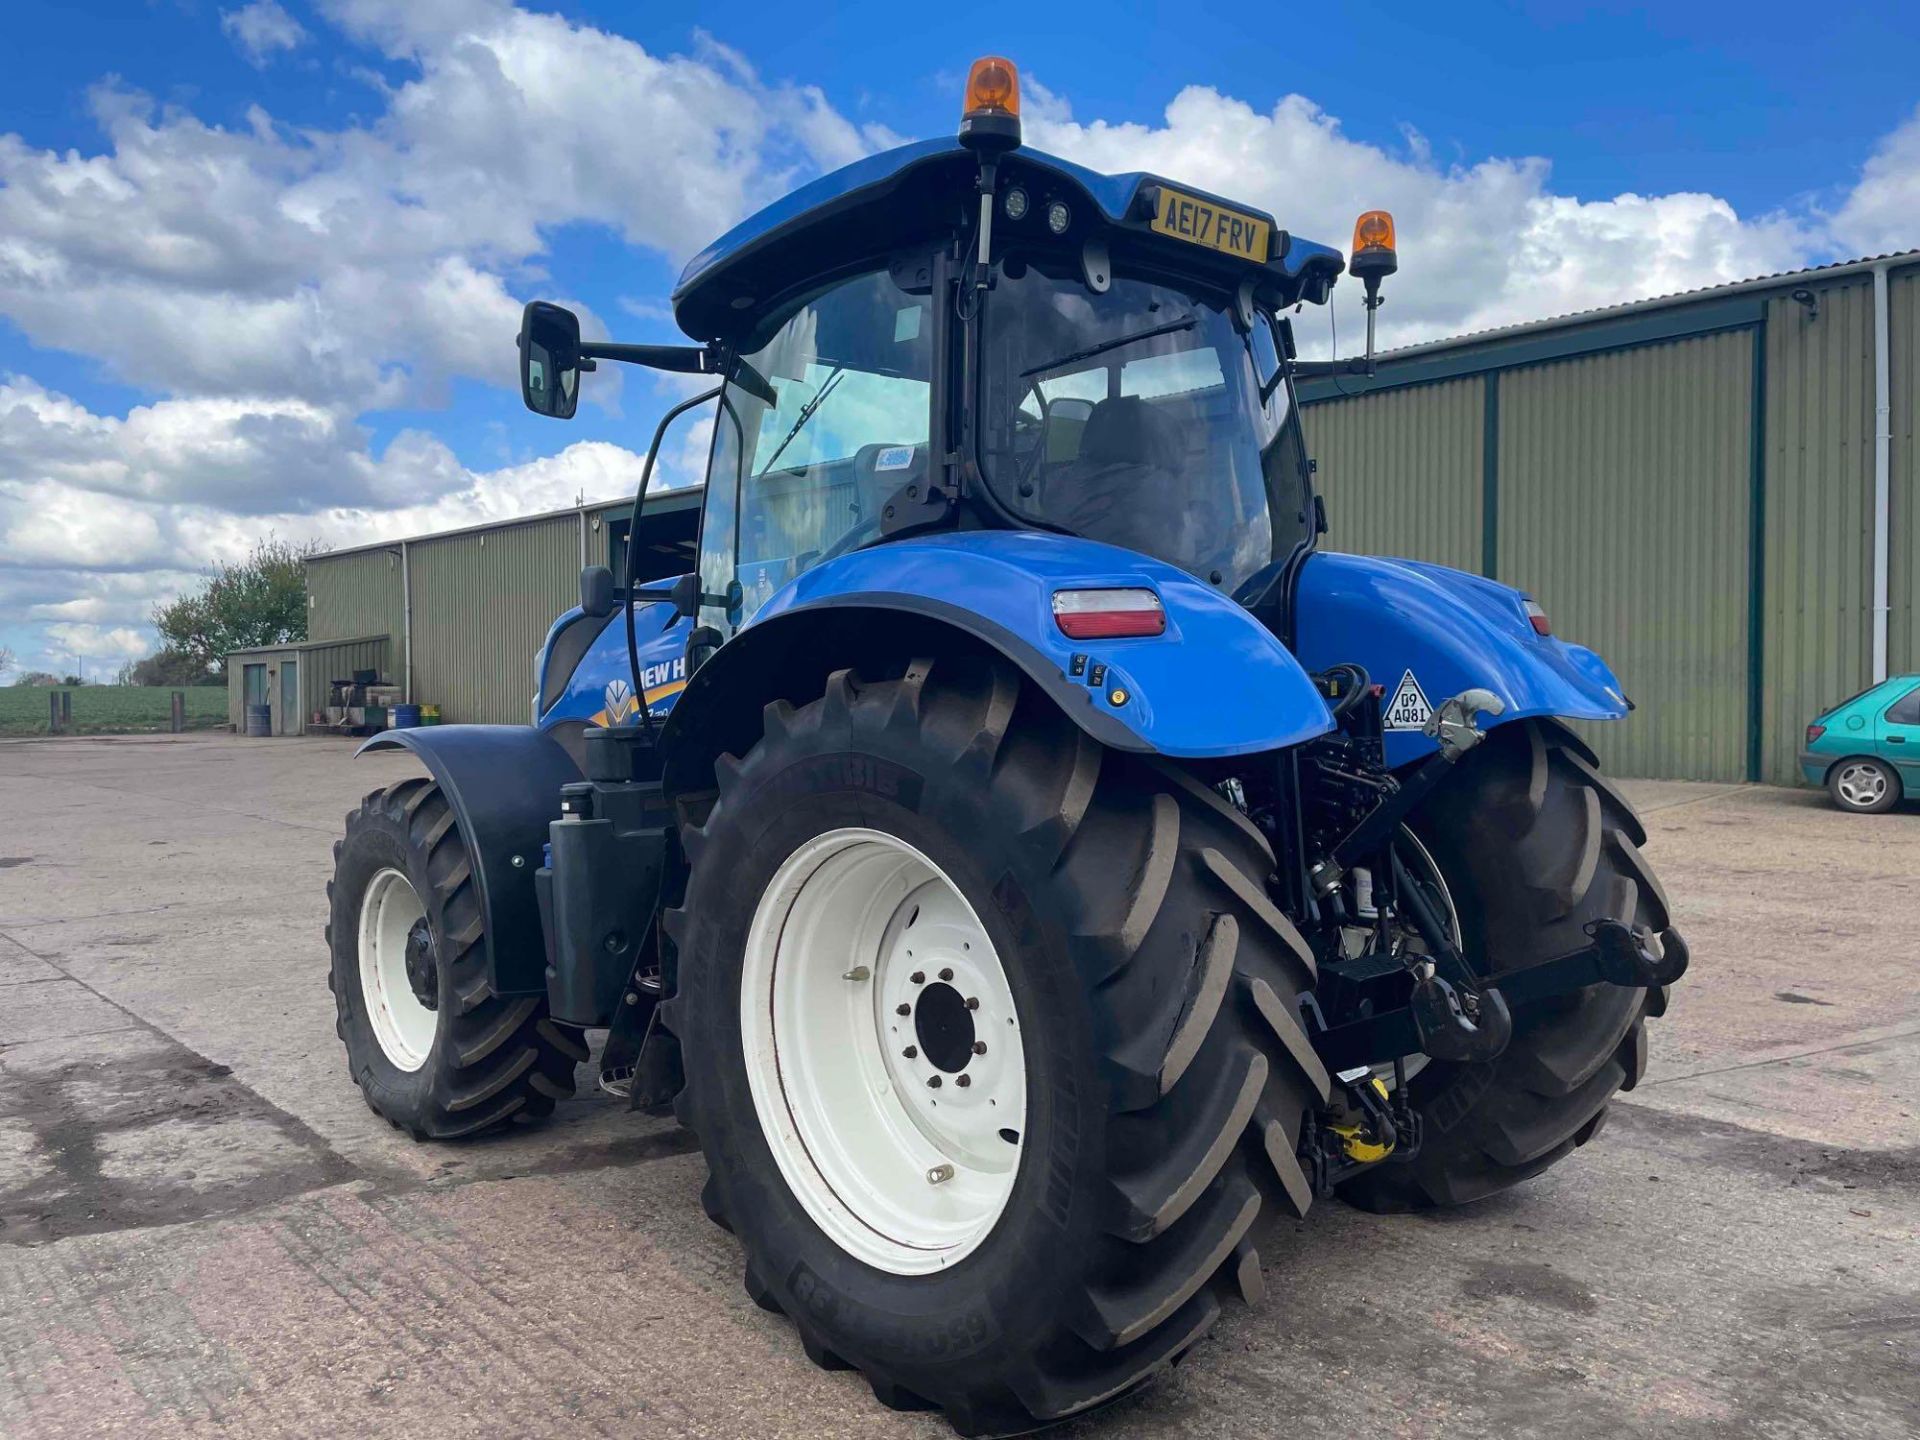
(686, 359)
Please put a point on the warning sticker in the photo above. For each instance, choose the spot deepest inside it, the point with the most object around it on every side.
(1408, 709)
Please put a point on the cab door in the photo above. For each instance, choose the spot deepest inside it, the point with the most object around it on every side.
(1899, 735)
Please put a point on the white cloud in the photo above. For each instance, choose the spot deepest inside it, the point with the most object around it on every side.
(1480, 245)
(1882, 212)
(262, 29)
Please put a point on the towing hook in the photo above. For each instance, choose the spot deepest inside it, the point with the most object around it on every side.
(1626, 957)
(1447, 1032)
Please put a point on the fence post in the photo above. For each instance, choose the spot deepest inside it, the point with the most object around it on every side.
(179, 710)
(66, 709)
(53, 712)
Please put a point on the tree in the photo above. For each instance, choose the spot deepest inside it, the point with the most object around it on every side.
(6, 662)
(39, 679)
(72, 682)
(171, 668)
(260, 601)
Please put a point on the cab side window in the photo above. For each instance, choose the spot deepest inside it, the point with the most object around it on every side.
(1906, 710)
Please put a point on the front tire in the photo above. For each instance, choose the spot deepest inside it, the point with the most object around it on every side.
(435, 1051)
(1532, 843)
(1150, 982)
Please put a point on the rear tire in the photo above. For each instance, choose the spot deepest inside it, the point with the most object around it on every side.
(469, 1061)
(1166, 1073)
(1862, 785)
(1533, 843)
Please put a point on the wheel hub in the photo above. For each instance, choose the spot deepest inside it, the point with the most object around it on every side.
(423, 970)
(944, 1026)
(1861, 784)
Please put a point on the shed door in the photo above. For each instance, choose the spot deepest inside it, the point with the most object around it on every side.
(254, 685)
(287, 722)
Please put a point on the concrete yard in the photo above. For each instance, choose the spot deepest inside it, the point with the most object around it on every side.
(203, 1230)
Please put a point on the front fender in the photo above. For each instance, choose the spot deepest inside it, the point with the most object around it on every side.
(1216, 683)
(1450, 631)
(503, 782)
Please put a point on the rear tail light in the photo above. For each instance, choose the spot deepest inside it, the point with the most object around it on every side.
(1538, 619)
(1814, 732)
(1108, 614)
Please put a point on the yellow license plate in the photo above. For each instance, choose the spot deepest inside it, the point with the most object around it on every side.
(1202, 222)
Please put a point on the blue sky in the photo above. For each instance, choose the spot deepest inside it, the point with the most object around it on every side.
(260, 262)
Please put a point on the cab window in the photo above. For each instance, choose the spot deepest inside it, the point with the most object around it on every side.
(808, 451)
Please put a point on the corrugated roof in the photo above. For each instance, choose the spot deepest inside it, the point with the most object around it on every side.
(679, 497)
(1653, 302)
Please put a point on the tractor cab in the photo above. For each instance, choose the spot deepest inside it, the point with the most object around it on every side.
(967, 334)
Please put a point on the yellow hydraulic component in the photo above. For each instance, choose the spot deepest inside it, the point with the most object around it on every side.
(1358, 1142)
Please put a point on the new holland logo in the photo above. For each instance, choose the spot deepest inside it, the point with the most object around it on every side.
(620, 704)
(1408, 709)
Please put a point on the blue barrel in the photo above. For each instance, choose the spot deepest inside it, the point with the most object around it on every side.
(259, 720)
(406, 717)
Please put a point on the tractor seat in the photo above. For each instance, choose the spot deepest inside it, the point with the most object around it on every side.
(1125, 487)
(879, 470)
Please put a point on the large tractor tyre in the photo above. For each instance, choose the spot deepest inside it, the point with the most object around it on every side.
(1531, 843)
(430, 1045)
(992, 1043)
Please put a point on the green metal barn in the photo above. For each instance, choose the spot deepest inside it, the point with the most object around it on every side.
(1717, 490)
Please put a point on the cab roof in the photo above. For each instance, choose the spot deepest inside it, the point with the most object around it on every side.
(889, 200)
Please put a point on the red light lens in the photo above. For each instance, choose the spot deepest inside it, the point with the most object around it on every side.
(1814, 732)
(1108, 614)
(1538, 618)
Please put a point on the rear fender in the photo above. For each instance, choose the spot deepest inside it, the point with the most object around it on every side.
(1217, 683)
(1449, 631)
(503, 782)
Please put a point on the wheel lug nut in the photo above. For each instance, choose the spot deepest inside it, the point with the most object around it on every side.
(964, 1081)
(912, 1052)
(934, 1083)
(946, 974)
(903, 1009)
(918, 977)
(972, 1003)
(979, 1047)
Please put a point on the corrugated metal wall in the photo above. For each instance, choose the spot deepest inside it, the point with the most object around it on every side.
(1401, 471)
(1903, 638)
(320, 665)
(1817, 605)
(354, 594)
(1623, 484)
(482, 604)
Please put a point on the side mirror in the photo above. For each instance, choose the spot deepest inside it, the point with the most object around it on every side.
(597, 595)
(550, 359)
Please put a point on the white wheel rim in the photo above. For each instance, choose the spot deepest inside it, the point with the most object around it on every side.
(404, 1027)
(1861, 784)
(904, 1175)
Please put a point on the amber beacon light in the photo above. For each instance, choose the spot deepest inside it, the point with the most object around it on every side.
(990, 117)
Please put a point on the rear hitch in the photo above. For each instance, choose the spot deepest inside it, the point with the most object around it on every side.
(1473, 1024)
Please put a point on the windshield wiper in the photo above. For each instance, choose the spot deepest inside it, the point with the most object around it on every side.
(806, 414)
(1171, 327)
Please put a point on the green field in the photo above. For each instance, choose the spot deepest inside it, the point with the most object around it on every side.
(110, 709)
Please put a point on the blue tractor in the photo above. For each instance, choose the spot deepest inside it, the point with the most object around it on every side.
(1024, 859)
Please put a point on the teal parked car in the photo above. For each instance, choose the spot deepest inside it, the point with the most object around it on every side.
(1866, 750)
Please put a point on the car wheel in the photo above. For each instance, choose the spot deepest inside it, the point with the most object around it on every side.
(1864, 786)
